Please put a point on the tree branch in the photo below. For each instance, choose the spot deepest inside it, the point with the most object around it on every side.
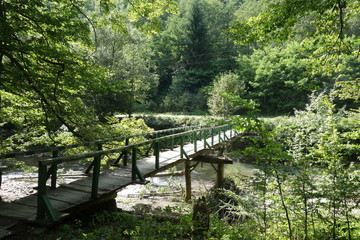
(43, 98)
(87, 18)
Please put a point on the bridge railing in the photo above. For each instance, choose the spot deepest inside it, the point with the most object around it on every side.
(48, 167)
(99, 145)
(55, 150)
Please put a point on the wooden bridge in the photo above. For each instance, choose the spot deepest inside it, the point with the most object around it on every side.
(170, 147)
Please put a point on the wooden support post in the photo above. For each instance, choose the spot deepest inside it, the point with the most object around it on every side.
(87, 171)
(220, 175)
(41, 190)
(172, 140)
(43, 203)
(125, 159)
(54, 168)
(133, 164)
(96, 175)
(157, 154)
(212, 137)
(205, 136)
(187, 180)
(135, 171)
(182, 146)
(195, 141)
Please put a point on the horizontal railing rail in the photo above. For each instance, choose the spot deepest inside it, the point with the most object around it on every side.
(48, 167)
(93, 143)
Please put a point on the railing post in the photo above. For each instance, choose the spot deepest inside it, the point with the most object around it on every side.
(212, 137)
(42, 177)
(54, 168)
(219, 134)
(133, 164)
(205, 135)
(220, 175)
(43, 203)
(195, 141)
(224, 130)
(157, 154)
(172, 140)
(92, 164)
(187, 180)
(125, 159)
(96, 175)
(182, 146)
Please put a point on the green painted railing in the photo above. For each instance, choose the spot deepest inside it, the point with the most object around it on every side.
(48, 167)
(57, 149)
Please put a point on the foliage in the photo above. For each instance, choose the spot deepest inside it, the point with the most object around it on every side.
(147, 14)
(192, 50)
(165, 122)
(313, 196)
(279, 79)
(51, 84)
(304, 188)
(44, 58)
(314, 118)
(326, 33)
(277, 21)
(119, 225)
(132, 77)
(225, 84)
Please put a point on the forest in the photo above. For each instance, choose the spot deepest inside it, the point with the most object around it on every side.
(74, 64)
(287, 70)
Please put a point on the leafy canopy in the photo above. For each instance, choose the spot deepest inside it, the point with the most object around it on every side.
(327, 35)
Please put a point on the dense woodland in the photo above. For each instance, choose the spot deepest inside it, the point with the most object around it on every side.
(73, 64)
(67, 67)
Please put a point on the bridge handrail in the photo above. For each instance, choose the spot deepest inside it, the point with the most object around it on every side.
(91, 143)
(64, 159)
(44, 206)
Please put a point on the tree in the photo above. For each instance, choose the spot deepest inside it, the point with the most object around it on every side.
(281, 81)
(132, 79)
(135, 71)
(277, 22)
(43, 58)
(193, 49)
(329, 40)
(47, 66)
(225, 86)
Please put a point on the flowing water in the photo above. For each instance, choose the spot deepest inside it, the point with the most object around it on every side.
(169, 190)
(19, 183)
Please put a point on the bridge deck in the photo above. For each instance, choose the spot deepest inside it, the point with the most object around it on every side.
(75, 196)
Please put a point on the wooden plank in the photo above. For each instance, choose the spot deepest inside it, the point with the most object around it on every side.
(80, 188)
(121, 175)
(6, 223)
(201, 152)
(112, 183)
(5, 233)
(91, 203)
(212, 159)
(68, 195)
(18, 211)
(106, 182)
(163, 168)
(31, 201)
(83, 188)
